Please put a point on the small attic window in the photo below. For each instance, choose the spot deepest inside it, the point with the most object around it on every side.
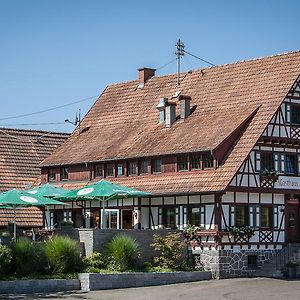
(208, 161)
(295, 114)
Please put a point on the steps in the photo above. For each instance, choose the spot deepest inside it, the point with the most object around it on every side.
(274, 267)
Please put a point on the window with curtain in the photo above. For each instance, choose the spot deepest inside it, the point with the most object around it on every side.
(241, 216)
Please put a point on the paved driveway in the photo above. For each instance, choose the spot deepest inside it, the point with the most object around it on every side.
(229, 289)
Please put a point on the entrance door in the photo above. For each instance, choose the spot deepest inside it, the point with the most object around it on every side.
(292, 221)
(127, 219)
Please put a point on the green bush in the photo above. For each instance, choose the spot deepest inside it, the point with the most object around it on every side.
(27, 256)
(96, 260)
(170, 250)
(123, 252)
(6, 259)
(63, 255)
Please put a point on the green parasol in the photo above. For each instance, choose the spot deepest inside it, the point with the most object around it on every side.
(102, 190)
(15, 198)
(47, 190)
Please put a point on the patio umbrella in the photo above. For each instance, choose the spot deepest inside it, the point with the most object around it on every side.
(102, 190)
(15, 198)
(47, 190)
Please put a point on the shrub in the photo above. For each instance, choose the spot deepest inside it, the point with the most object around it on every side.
(123, 252)
(96, 260)
(27, 256)
(63, 255)
(170, 248)
(6, 258)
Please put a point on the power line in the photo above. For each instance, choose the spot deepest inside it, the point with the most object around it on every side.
(33, 124)
(165, 65)
(199, 58)
(49, 109)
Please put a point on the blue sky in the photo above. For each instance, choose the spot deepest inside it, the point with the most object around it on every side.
(57, 52)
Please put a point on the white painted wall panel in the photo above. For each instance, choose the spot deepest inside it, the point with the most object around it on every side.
(183, 199)
(253, 198)
(278, 198)
(226, 215)
(208, 214)
(169, 200)
(241, 197)
(156, 201)
(207, 198)
(266, 198)
(128, 202)
(145, 217)
(154, 211)
(228, 197)
(193, 199)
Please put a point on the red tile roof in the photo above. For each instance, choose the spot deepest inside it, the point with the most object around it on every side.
(21, 152)
(123, 123)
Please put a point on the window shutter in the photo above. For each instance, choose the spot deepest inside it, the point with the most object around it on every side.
(257, 162)
(288, 113)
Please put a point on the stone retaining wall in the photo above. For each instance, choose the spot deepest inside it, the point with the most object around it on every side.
(230, 263)
(92, 282)
(38, 286)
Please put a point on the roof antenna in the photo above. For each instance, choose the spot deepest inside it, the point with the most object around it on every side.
(179, 53)
(77, 119)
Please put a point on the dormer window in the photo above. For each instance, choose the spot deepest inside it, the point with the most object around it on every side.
(208, 161)
(99, 171)
(64, 174)
(157, 165)
(144, 166)
(120, 169)
(110, 170)
(132, 168)
(196, 162)
(51, 174)
(182, 163)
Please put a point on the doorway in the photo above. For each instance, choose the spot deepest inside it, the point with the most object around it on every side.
(127, 219)
(292, 220)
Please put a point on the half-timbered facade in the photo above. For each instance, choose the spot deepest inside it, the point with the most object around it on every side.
(220, 150)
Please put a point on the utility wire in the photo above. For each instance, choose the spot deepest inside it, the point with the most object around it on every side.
(199, 58)
(165, 65)
(33, 124)
(49, 109)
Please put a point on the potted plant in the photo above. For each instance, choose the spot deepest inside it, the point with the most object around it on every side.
(240, 232)
(291, 269)
(66, 224)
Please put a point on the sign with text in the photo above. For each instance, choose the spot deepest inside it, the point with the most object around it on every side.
(287, 182)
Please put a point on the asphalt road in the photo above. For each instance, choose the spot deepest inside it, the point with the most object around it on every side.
(229, 289)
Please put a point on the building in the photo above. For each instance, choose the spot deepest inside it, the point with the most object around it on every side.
(21, 152)
(221, 149)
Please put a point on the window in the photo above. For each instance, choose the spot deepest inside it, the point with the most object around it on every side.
(182, 163)
(266, 216)
(99, 170)
(267, 161)
(157, 165)
(196, 216)
(208, 161)
(241, 216)
(132, 168)
(169, 214)
(144, 167)
(64, 174)
(295, 114)
(196, 162)
(112, 218)
(51, 175)
(252, 261)
(110, 170)
(120, 169)
(290, 164)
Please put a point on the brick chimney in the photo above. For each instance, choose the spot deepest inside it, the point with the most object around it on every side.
(145, 74)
